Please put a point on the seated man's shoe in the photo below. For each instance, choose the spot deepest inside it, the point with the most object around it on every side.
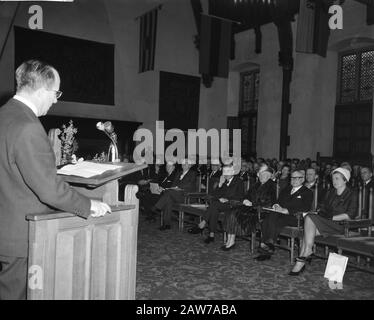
(262, 250)
(209, 240)
(263, 257)
(165, 227)
(271, 247)
(195, 230)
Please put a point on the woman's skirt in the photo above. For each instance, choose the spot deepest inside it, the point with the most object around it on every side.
(240, 221)
(325, 226)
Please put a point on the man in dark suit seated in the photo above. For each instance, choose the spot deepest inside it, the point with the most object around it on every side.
(313, 183)
(229, 193)
(292, 199)
(214, 175)
(164, 179)
(368, 183)
(184, 182)
(29, 183)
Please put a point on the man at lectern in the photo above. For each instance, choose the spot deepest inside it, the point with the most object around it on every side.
(28, 180)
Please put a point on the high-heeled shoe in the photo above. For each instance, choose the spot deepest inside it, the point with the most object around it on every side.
(296, 273)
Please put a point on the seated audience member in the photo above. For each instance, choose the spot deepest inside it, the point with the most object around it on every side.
(243, 174)
(312, 182)
(164, 178)
(346, 165)
(241, 221)
(294, 198)
(252, 174)
(326, 180)
(184, 182)
(229, 191)
(367, 182)
(284, 179)
(315, 166)
(214, 175)
(340, 204)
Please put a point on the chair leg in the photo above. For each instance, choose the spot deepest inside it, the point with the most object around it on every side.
(224, 237)
(292, 249)
(253, 240)
(180, 221)
(161, 218)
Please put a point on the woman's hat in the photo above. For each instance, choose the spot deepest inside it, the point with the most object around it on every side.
(344, 172)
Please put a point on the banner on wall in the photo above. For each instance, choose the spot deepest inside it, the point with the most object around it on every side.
(215, 46)
(147, 40)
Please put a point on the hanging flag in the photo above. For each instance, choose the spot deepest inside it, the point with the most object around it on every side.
(215, 43)
(147, 40)
(313, 28)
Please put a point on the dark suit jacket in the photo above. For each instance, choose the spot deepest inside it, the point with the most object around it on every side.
(188, 183)
(300, 201)
(28, 180)
(321, 192)
(263, 195)
(213, 180)
(166, 181)
(234, 191)
(334, 205)
(366, 202)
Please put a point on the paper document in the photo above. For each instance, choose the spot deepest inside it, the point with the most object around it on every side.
(335, 268)
(270, 209)
(154, 187)
(86, 169)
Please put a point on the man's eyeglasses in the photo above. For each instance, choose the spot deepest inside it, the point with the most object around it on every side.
(296, 178)
(58, 93)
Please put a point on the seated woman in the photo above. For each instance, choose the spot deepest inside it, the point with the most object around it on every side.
(242, 221)
(340, 203)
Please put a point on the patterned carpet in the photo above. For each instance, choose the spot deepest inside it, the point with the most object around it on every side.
(177, 265)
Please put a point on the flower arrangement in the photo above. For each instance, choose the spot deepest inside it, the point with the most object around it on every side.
(100, 158)
(108, 129)
(68, 143)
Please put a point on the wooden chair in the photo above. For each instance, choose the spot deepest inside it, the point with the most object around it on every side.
(200, 209)
(292, 234)
(360, 245)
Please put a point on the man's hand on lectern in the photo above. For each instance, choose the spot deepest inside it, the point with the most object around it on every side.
(99, 209)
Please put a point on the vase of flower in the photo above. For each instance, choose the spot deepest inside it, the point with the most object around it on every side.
(108, 129)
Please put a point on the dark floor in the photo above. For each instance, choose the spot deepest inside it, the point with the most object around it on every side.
(178, 265)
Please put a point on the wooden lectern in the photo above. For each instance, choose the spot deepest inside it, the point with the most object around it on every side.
(74, 258)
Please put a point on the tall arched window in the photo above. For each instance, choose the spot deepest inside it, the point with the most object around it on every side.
(353, 111)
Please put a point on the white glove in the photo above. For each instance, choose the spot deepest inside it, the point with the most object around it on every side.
(99, 208)
(247, 203)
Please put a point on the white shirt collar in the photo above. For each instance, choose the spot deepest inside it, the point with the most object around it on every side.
(27, 103)
(293, 190)
(183, 174)
(310, 185)
(228, 183)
